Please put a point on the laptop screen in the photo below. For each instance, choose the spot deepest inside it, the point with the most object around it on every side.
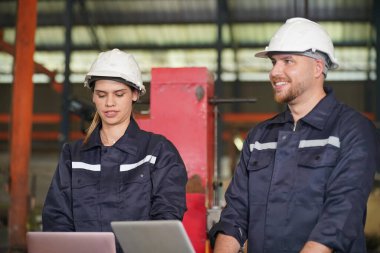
(159, 236)
(73, 242)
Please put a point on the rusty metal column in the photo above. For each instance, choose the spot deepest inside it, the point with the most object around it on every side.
(21, 123)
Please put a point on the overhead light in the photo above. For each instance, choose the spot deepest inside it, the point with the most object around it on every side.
(238, 141)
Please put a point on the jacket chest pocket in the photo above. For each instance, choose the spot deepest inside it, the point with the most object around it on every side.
(85, 186)
(260, 167)
(135, 192)
(140, 175)
(314, 167)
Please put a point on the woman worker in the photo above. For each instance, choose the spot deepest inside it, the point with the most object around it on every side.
(118, 172)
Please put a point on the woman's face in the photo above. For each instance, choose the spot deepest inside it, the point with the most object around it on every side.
(113, 101)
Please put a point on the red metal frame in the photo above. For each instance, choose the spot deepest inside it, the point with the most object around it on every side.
(180, 111)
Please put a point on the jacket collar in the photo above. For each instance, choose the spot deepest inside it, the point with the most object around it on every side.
(124, 143)
(129, 141)
(317, 117)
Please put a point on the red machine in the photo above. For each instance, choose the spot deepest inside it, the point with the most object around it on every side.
(179, 109)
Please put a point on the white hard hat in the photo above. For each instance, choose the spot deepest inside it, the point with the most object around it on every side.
(299, 35)
(116, 65)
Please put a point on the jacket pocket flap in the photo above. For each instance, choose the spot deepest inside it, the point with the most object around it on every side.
(318, 157)
(260, 161)
(80, 181)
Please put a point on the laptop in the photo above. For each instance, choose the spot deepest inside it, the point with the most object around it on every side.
(159, 236)
(73, 242)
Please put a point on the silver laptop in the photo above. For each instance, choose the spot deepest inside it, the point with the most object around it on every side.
(73, 242)
(159, 236)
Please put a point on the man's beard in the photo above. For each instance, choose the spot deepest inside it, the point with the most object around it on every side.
(287, 96)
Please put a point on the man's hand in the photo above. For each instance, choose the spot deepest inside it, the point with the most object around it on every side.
(315, 247)
(226, 244)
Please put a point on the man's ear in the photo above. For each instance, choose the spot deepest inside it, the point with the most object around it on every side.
(319, 66)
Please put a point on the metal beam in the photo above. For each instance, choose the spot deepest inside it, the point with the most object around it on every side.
(65, 124)
(21, 121)
(90, 24)
(187, 12)
(376, 24)
(235, 48)
(195, 17)
(211, 45)
(191, 17)
(222, 12)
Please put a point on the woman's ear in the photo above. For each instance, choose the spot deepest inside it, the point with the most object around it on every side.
(135, 95)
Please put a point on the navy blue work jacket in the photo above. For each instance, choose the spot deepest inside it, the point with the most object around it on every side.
(303, 182)
(140, 177)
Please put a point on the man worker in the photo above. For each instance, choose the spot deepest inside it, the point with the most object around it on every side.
(304, 176)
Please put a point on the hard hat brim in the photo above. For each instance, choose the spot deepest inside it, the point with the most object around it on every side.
(93, 79)
(262, 54)
(265, 54)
